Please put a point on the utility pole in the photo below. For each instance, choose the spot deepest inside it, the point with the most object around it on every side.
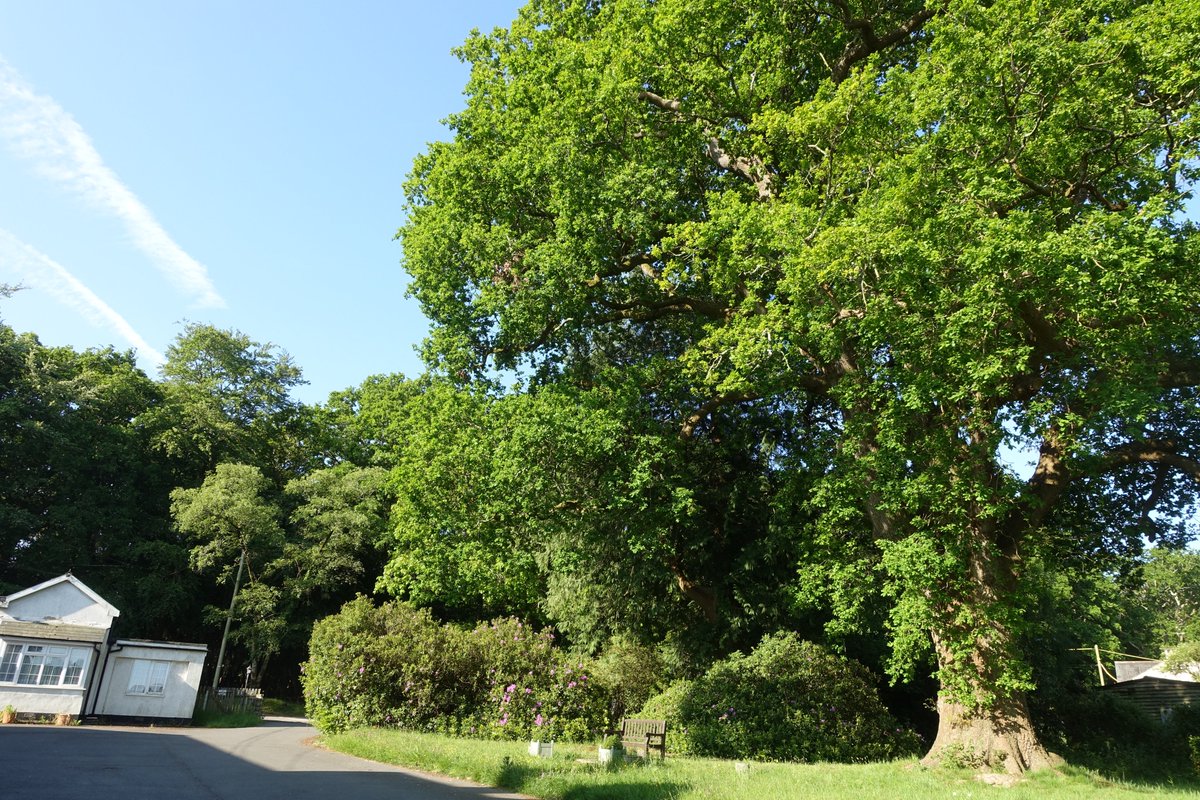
(237, 582)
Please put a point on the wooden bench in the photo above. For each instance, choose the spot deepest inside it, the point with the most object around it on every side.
(643, 735)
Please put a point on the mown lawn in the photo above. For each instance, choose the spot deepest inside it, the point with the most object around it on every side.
(563, 777)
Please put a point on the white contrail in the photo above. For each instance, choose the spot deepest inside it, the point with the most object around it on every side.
(37, 270)
(41, 131)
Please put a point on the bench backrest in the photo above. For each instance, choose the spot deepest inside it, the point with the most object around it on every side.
(638, 728)
(643, 735)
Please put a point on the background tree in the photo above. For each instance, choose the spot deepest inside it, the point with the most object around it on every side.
(233, 520)
(80, 486)
(1171, 594)
(582, 508)
(956, 228)
(228, 400)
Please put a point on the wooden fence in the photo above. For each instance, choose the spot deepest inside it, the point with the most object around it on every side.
(230, 700)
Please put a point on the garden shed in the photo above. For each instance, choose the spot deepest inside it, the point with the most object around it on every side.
(1156, 691)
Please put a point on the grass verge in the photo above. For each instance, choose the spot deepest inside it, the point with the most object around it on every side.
(274, 707)
(564, 777)
(207, 718)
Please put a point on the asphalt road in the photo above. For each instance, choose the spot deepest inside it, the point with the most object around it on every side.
(270, 762)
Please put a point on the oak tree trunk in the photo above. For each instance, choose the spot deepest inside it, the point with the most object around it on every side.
(983, 720)
(1001, 739)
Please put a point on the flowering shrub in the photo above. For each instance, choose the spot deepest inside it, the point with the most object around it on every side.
(395, 665)
(535, 691)
(789, 700)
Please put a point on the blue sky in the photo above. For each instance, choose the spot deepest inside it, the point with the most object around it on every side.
(234, 163)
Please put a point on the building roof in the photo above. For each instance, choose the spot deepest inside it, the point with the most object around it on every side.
(162, 645)
(52, 630)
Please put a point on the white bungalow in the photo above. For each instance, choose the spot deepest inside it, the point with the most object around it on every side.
(56, 659)
(51, 639)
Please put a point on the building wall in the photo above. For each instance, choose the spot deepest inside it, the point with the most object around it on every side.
(43, 700)
(64, 602)
(178, 699)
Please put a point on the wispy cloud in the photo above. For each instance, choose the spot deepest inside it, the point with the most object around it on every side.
(41, 131)
(37, 270)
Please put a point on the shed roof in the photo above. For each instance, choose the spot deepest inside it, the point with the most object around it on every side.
(1128, 671)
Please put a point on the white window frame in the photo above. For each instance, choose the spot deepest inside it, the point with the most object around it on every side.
(148, 678)
(34, 663)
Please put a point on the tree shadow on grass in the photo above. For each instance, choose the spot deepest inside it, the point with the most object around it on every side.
(519, 777)
(645, 791)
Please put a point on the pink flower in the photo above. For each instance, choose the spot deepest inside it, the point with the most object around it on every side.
(539, 720)
(571, 685)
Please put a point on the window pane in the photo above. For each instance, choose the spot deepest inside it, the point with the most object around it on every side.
(137, 678)
(31, 667)
(52, 668)
(8, 665)
(75, 666)
(158, 678)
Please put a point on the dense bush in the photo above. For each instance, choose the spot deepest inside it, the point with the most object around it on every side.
(787, 700)
(669, 706)
(631, 673)
(393, 665)
(396, 666)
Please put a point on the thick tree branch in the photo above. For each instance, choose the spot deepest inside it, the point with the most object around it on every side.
(751, 170)
(659, 101)
(1047, 484)
(702, 413)
(1045, 337)
(645, 310)
(1152, 451)
(702, 596)
(1180, 374)
(870, 42)
(642, 262)
(815, 384)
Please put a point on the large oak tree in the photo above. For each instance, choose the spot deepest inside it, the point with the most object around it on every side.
(958, 225)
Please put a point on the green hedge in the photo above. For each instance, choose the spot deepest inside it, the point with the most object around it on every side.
(788, 700)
